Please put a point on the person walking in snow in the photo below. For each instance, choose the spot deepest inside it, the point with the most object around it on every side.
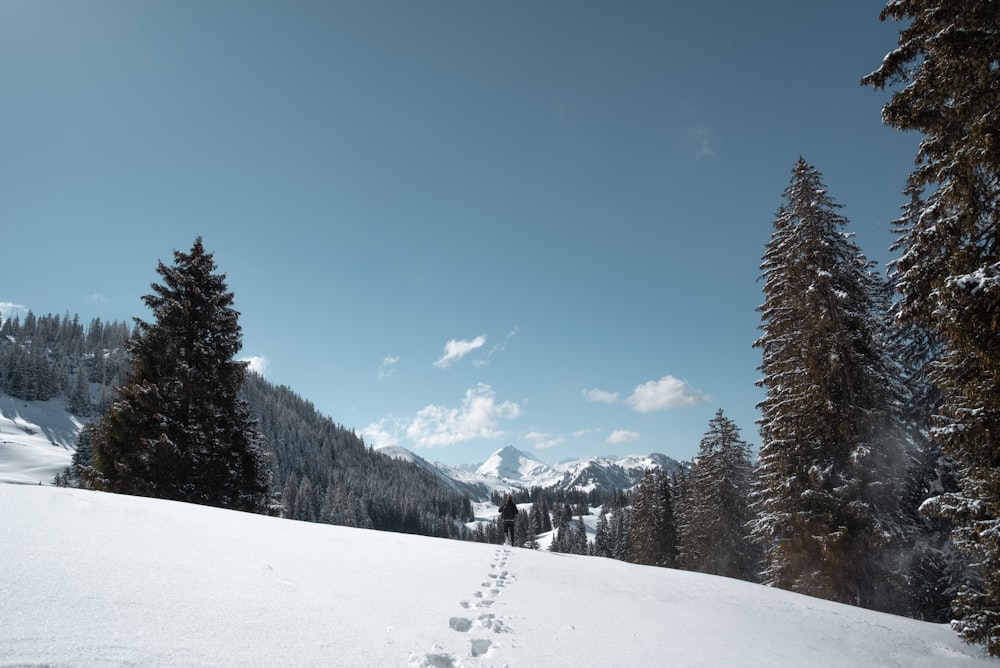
(508, 513)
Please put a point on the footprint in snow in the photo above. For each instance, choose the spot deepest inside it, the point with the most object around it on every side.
(460, 624)
(491, 623)
(432, 660)
(480, 646)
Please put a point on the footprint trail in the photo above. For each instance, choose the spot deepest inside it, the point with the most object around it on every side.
(480, 628)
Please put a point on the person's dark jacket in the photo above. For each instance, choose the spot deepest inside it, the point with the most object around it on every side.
(508, 511)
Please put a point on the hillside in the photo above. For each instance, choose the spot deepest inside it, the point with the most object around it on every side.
(104, 580)
(37, 439)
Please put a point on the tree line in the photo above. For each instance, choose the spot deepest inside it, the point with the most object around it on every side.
(42, 357)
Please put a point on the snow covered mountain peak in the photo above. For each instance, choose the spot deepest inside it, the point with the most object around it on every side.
(512, 464)
(509, 468)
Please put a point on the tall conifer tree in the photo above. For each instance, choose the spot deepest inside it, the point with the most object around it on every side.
(177, 429)
(948, 58)
(824, 492)
(713, 536)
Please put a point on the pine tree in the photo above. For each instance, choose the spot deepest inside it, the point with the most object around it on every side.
(602, 537)
(824, 491)
(651, 533)
(935, 570)
(666, 530)
(545, 516)
(79, 401)
(641, 531)
(177, 429)
(621, 520)
(580, 542)
(949, 269)
(714, 537)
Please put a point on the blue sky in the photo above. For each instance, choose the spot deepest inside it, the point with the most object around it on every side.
(452, 226)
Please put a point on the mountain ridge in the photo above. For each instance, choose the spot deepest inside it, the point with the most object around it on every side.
(511, 469)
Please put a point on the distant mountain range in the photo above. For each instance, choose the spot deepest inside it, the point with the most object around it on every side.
(509, 468)
(30, 429)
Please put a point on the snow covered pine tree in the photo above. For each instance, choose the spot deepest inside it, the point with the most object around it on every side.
(948, 60)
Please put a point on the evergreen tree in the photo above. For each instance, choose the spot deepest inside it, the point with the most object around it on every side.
(949, 269)
(621, 520)
(825, 491)
(580, 542)
(642, 528)
(545, 516)
(666, 531)
(714, 536)
(535, 519)
(177, 429)
(79, 401)
(935, 571)
(651, 535)
(602, 537)
(76, 473)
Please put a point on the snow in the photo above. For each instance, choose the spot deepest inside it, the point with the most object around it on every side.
(94, 579)
(37, 439)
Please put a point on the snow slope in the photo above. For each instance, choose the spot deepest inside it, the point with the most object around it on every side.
(92, 579)
(37, 439)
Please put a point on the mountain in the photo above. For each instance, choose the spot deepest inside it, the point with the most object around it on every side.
(606, 473)
(196, 586)
(509, 468)
(509, 463)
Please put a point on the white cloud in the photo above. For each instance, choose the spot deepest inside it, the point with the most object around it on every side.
(664, 394)
(477, 417)
(622, 436)
(497, 348)
(386, 368)
(10, 309)
(542, 441)
(378, 436)
(455, 349)
(600, 395)
(258, 365)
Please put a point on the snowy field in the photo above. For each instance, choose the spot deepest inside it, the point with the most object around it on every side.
(92, 579)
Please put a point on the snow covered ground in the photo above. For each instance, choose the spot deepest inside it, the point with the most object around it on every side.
(92, 579)
(37, 439)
